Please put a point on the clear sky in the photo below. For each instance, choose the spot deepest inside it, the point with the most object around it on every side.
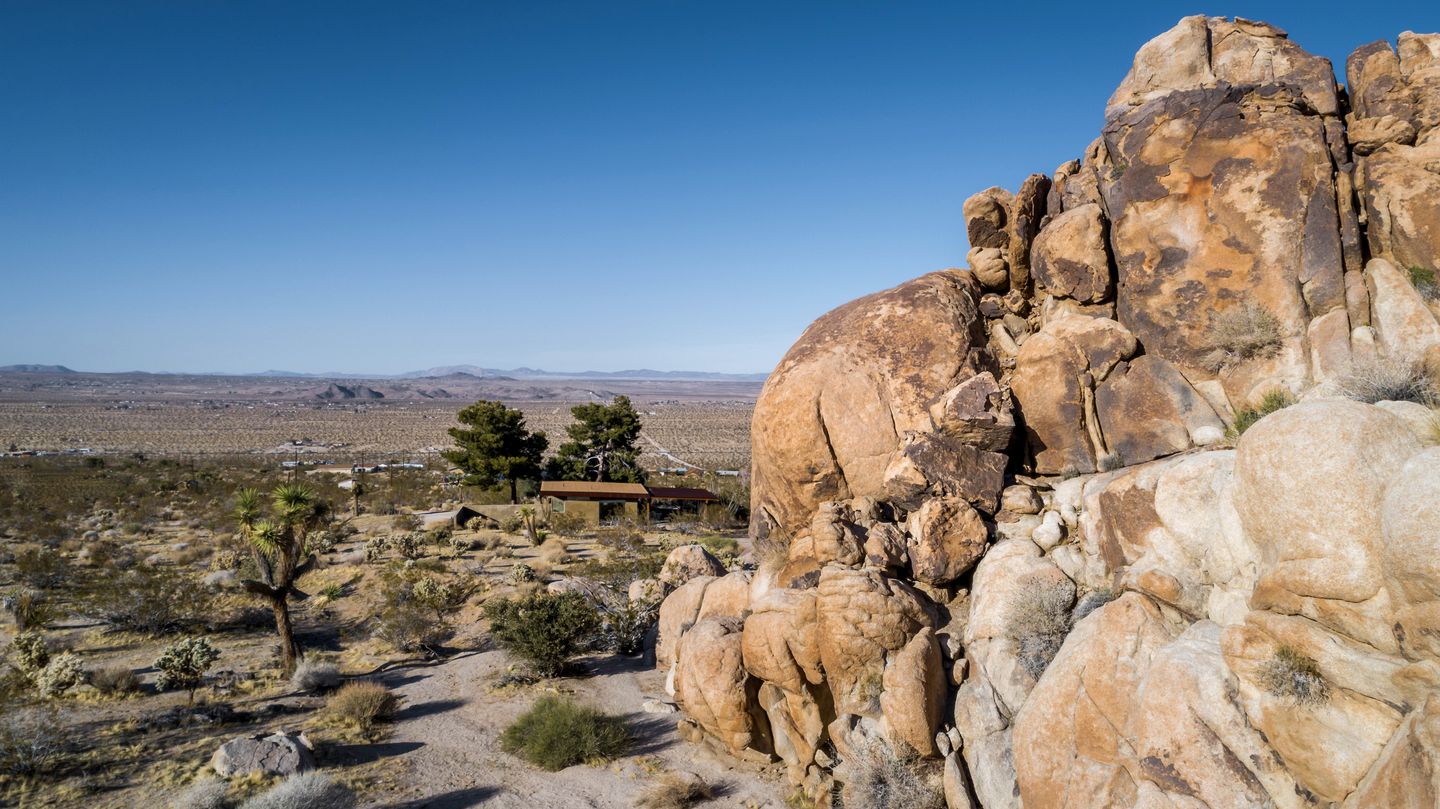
(385, 186)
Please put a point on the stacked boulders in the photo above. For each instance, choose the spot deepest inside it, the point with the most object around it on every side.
(1004, 521)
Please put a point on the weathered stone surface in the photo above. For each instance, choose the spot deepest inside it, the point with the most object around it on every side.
(1071, 258)
(274, 754)
(687, 562)
(914, 695)
(727, 596)
(937, 464)
(1148, 410)
(947, 537)
(987, 218)
(976, 412)
(1407, 774)
(712, 686)
(678, 611)
(1221, 190)
(834, 537)
(1354, 728)
(797, 725)
(1404, 325)
(835, 408)
(1053, 387)
(988, 265)
(862, 617)
(1400, 187)
(1309, 484)
(885, 547)
(780, 640)
(1026, 214)
(1409, 552)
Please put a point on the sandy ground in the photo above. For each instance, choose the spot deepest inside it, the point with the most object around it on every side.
(447, 738)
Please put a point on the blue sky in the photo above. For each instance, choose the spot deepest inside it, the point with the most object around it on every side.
(379, 187)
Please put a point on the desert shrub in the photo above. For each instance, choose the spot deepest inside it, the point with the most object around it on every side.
(1424, 280)
(206, 794)
(313, 676)
(460, 544)
(29, 654)
(114, 680)
(1387, 381)
(557, 733)
(543, 629)
(1294, 676)
(309, 790)
(39, 567)
(150, 600)
(1240, 333)
(1091, 601)
(362, 704)
(521, 573)
(407, 522)
(30, 609)
(874, 775)
(618, 572)
(1111, 461)
(413, 609)
(565, 523)
(183, 664)
(1038, 622)
(675, 790)
(772, 551)
(624, 624)
(61, 674)
(1269, 403)
(32, 740)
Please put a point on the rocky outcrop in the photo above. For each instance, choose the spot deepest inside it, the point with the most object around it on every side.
(837, 407)
(282, 754)
(1020, 526)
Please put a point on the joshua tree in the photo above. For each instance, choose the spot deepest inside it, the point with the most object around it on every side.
(279, 546)
(357, 491)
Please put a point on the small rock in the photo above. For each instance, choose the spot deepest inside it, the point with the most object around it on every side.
(220, 579)
(281, 754)
(653, 705)
(1020, 499)
(1049, 534)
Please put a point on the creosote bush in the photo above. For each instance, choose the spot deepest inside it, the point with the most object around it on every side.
(557, 733)
(114, 680)
(874, 775)
(1269, 403)
(309, 790)
(30, 609)
(1294, 676)
(544, 629)
(150, 600)
(363, 704)
(1387, 381)
(1241, 333)
(675, 790)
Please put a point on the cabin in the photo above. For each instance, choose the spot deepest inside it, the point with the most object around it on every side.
(599, 502)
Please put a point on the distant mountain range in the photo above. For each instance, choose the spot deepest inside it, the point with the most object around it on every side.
(464, 370)
(36, 369)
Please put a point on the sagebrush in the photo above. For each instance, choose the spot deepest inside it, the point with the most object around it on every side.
(1241, 333)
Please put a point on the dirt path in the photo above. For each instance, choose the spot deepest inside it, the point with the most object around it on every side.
(445, 746)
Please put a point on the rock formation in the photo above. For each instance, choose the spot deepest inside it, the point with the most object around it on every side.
(1029, 522)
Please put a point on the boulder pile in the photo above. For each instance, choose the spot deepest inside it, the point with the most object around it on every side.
(1010, 524)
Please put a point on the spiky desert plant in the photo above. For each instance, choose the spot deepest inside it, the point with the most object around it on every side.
(278, 545)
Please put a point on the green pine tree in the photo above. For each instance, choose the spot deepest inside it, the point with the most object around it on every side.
(494, 446)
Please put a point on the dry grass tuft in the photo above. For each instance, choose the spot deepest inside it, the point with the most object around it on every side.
(1241, 333)
(875, 776)
(1294, 676)
(675, 790)
(1387, 381)
(362, 704)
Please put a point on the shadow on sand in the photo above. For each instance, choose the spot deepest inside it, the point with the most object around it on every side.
(455, 799)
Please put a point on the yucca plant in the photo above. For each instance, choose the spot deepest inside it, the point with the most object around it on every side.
(278, 543)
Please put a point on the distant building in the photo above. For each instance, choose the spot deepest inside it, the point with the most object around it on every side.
(596, 502)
